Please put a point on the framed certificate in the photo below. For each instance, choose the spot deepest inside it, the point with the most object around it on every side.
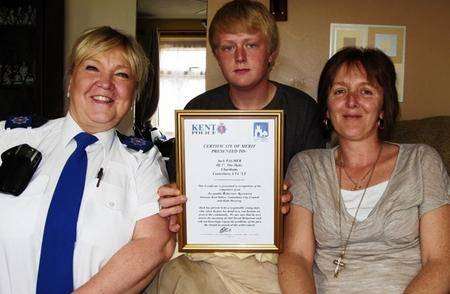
(229, 166)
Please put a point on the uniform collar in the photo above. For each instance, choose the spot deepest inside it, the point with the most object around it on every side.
(71, 129)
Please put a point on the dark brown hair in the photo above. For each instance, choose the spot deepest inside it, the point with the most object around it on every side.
(379, 69)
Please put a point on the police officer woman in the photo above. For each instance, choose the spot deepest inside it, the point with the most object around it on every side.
(87, 221)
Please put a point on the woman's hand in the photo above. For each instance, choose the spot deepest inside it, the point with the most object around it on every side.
(286, 198)
(170, 204)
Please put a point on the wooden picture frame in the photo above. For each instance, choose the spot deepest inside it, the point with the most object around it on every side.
(229, 165)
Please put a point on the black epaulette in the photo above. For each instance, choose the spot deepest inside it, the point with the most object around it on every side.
(32, 121)
(134, 143)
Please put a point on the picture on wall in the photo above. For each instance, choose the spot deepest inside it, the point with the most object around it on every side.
(389, 39)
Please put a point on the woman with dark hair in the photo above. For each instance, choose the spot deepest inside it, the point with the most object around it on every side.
(367, 215)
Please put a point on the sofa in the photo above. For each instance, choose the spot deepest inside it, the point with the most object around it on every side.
(433, 131)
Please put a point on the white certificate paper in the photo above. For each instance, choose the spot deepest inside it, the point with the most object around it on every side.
(230, 181)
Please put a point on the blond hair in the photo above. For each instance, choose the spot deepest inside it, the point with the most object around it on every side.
(102, 39)
(244, 16)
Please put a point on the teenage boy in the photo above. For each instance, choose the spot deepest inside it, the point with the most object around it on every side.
(244, 38)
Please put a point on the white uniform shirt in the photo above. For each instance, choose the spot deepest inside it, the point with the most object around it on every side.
(108, 213)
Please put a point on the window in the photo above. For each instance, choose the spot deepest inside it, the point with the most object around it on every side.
(182, 63)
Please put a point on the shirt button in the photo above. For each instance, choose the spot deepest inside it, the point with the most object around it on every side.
(111, 204)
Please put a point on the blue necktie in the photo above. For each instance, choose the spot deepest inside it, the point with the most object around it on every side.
(56, 264)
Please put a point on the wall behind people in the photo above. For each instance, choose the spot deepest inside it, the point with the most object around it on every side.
(83, 14)
(305, 41)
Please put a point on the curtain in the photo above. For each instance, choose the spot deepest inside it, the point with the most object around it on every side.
(182, 76)
(147, 104)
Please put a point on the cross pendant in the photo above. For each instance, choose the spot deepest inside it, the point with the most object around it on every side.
(339, 265)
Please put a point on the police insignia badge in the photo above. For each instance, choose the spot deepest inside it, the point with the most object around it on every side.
(134, 143)
(14, 122)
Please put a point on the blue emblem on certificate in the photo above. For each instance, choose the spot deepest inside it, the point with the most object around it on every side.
(260, 130)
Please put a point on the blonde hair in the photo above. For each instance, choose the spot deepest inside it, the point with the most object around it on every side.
(244, 16)
(102, 39)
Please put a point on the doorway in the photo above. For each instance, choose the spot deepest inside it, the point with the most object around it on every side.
(174, 35)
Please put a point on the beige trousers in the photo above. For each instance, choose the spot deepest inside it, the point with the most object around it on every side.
(216, 274)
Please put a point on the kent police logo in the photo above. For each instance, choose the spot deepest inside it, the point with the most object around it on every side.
(221, 129)
(260, 130)
(204, 129)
